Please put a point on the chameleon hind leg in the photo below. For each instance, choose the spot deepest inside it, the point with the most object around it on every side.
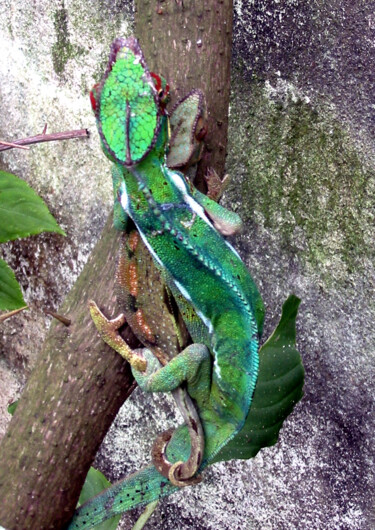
(181, 473)
(153, 377)
(191, 366)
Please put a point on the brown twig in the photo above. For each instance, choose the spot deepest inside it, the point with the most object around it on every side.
(10, 144)
(5, 316)
(66, 321)
(67, 135)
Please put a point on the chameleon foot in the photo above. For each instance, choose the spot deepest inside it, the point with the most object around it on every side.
(181, 473)
(176, 473)
(215, 186)
(108, 330)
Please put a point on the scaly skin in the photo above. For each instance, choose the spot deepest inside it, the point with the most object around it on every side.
(147, 303)
(180, 227)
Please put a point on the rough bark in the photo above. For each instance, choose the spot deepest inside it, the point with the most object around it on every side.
(69, 403)
(78, 383)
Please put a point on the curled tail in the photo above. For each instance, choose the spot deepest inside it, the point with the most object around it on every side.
(137, 489)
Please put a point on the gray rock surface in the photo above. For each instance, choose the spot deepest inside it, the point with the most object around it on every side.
(301, 157)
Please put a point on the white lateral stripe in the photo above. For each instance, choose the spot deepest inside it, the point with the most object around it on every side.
(206, 321)
(192, 203)
(183, 291)
(149, 247)
(124, 198)
(216, 366)
(232, 249)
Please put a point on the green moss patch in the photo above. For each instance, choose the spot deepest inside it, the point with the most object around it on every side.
(302, 178)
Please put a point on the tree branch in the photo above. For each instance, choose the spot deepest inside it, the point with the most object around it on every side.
(191, 46)
(5, 316)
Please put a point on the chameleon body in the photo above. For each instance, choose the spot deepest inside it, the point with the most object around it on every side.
(217, 298)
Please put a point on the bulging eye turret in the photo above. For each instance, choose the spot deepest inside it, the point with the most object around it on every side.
(162, 88)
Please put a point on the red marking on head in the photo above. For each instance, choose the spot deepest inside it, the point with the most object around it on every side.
(163, 93)
(157, 81)
(93, 97)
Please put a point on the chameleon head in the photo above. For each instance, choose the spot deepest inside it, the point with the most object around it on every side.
(127, 105)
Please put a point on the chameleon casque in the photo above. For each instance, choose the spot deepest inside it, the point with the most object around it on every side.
(213, 379)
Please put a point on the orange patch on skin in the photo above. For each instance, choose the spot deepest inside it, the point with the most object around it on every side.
(133, 240)
(133, 279)
(146, 330)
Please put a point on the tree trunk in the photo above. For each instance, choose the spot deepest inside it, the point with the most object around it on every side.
(71, 398)
(189, 42)
(78, 383)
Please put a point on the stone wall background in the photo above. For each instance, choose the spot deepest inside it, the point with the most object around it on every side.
(301, 158)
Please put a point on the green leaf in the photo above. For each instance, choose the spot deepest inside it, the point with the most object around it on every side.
(278, 389)
(10, 292)
(12, 407)
(22, 211)
(95, 483)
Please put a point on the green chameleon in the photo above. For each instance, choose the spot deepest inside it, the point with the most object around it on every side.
(213, 379)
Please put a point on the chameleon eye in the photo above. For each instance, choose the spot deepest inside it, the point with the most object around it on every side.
(164, 96)
(201, 129)
(163, 93)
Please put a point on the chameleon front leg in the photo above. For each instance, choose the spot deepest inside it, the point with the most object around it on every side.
(215, 186)
(153, 377)
(188, 123)
(108, 330)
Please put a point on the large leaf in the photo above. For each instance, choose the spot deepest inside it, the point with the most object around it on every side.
(22, 211)
(12, 407)
(10, 292)
(95, 483)
(278, 389)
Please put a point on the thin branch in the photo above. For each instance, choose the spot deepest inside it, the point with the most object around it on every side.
(67, 135)
(66, 321)
(5, 316)
(10, 144)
